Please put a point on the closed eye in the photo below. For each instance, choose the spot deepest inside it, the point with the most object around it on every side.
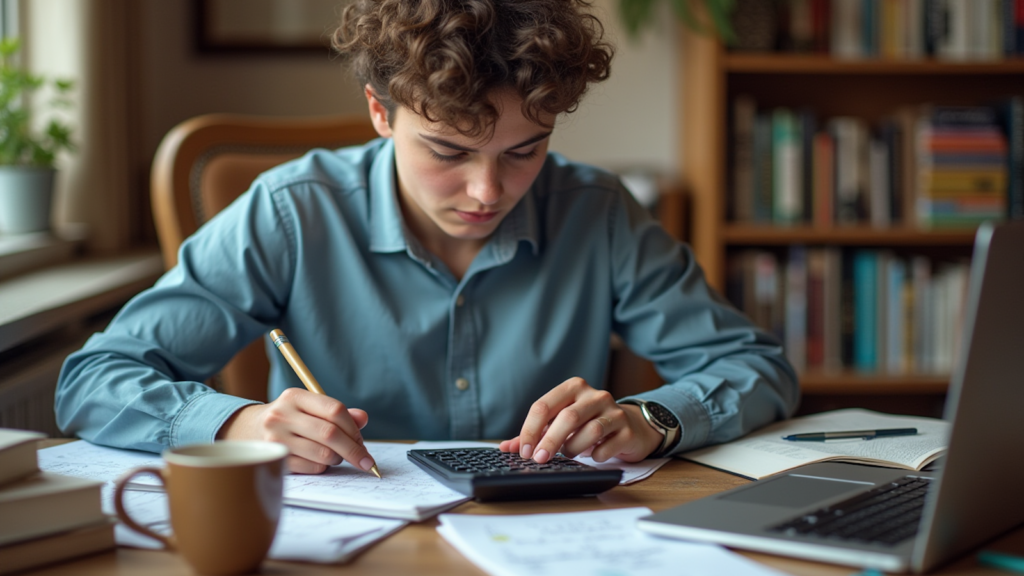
(523, 155)
(446, 157)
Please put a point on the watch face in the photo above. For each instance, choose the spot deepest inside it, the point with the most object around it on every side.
(662, 415)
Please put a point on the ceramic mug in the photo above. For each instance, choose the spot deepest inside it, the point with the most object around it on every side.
(225, 500)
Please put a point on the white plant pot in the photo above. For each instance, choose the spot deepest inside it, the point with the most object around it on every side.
(26, 195)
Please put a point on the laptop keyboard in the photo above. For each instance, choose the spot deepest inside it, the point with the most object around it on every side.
(886, 514)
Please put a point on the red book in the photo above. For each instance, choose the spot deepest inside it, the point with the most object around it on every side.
(824, 179)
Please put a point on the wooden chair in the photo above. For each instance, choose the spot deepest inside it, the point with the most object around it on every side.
(206, 162)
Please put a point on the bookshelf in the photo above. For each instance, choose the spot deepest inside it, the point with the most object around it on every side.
(870, 89)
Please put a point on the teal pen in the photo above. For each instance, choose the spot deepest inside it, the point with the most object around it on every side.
(849, 434)
(1001, 561)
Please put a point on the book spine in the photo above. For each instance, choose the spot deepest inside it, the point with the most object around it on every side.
(808, 128)
(846, 34)
(744, 114)
(1015, 162)
(914, 27)
(847, 312)
(820, 21)
(832, 310)
(896, 316)
(922, 328)
(1020, 27)
(849, 152)
(763, 177)
(796, 308)
(816, 270)
(788, 197)
(879, 194)
(824, 179)
(865, 310)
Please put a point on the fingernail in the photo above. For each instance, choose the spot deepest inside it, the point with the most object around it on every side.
(541, 455)
(526, 451)
(366, 463)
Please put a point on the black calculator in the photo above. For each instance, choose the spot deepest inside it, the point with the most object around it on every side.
(489, 474)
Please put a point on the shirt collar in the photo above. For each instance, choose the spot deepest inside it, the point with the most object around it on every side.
(387, 228)
(387, 233)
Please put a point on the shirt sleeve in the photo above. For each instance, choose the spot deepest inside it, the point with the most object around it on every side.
(724, 376)
(139, 384)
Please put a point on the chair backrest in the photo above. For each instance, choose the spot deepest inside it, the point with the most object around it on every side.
(206, 162)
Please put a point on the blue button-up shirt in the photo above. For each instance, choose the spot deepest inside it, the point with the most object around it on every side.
(318, 248)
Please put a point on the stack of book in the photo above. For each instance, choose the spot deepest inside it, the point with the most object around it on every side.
(923, 166)
(44, 517)
(955, 30)
(872, 311)
(962, 167)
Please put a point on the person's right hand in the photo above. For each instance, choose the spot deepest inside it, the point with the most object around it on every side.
(318, 430)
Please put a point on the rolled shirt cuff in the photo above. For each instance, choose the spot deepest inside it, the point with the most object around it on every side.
(201, 418)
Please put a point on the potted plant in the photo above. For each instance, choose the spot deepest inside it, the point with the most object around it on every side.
(27, 153)
(637, 14)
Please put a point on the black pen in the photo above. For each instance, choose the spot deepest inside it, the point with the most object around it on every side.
(864, 434)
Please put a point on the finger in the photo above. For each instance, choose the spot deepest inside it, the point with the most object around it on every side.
(544, 410)
(509, 445)
(298, 465)
(329, 409)
(571, 419)
(320, 424)
(313, 452)
(360, 417)
(589, 435)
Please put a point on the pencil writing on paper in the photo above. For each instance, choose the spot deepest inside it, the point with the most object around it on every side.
(301, 370)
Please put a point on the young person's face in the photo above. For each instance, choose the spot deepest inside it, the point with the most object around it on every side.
(455, 187)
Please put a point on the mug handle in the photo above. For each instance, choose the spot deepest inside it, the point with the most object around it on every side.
(122, 513)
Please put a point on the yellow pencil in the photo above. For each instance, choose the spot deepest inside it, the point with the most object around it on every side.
(301, 370)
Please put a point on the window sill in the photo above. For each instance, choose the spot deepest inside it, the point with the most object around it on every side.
(37, 302)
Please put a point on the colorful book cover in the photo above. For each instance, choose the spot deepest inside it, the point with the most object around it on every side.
(763, 176)
(865, 310)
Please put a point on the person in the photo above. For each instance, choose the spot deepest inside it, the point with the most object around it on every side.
(451, 280)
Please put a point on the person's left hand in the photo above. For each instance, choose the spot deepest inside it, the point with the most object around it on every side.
(574, 417)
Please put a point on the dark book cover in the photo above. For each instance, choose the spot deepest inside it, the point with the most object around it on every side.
(1011, 113)
(961, 116)
(763, 169)
(846, 305)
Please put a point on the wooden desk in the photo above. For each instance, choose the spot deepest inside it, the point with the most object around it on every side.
(417, 548)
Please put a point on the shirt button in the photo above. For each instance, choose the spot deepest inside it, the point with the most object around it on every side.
(462, 383)
(460, 300)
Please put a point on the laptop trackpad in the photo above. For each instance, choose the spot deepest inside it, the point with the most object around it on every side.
(795, 491)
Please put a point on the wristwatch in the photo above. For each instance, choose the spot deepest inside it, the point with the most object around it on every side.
(661, 420)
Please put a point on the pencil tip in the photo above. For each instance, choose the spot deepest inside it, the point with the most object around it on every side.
(376, 472)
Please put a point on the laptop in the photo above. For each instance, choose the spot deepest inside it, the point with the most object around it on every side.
(895, 520)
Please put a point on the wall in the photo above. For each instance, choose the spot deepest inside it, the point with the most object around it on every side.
(628, 121)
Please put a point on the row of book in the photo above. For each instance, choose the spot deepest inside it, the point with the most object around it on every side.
(955, 30)
(927, 166)
(45, 517)
(866, 310)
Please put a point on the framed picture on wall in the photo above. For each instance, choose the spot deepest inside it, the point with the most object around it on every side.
(266, 25)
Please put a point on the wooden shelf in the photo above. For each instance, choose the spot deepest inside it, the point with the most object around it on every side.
(853, 383)
(752, 234)
(768, 63)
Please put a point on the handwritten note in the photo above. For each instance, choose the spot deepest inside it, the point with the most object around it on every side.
(406, 492)
(597, 543)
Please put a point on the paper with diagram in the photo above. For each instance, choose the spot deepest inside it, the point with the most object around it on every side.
(596, 543)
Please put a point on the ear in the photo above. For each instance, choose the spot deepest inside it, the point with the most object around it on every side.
(378, 113)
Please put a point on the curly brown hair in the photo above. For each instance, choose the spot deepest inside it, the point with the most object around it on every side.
(443, 58)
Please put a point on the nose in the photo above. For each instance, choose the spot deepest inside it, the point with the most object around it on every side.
(485, 184)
